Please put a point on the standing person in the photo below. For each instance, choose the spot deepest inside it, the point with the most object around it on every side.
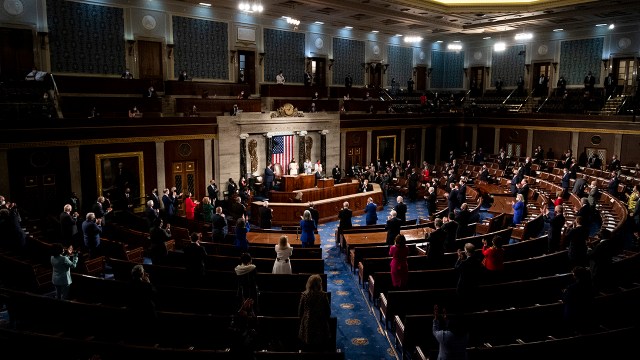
(266, 214)
(169, 203)
(518, 209)
(392, 227)
(246, 274)
(576, 240)
(212, 191)
(600, 253)
(293, 167)
(370, 210)
(493, 255)
(499, 84)
(470, 271)
(207, 209)
(141, 304)
(307, 229)
(348, 82)
(242, 228)
(578, 300)
(314, 312)
(190, 207)
(308, 167)
(451, 334)
(219, 227)
(280, 78)
(399, 264)
(432, 201)
(436, 240)
(68, 228)
(195, 255)
(282, 264)
(91, 231)
(62, 261)
(336, 173)
(269, 176)
(556, 224)
(401, 208)
(345, 216)
(562, 86)
(159, 236)
(315, 214)
(307, 78)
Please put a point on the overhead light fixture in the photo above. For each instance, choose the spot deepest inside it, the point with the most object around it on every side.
(399, 35)
(486, 38)
(375, 31)
(600, 25)
(439, 41)
(205, 4)
(412, 39)
(499, 46)
(251, 7)
(348, 27)
(524, 36)
(556, 30)
(292, 21)
(318, 22)
(611, 27)
(454, 47)
(456, 41)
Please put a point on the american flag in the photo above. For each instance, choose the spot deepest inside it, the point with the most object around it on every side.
(282, 151)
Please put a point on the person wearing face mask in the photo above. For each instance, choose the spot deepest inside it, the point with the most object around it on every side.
(126, 75)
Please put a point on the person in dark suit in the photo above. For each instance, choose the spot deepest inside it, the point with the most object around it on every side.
(157, 202)
(413, 184)
(594, 161)
(345, 216)
(462, 192)
(212, 191)
(600, 254)
(436, 240)
(364, 187)
(513, 183)
(470, 271)
(484, 174)
(150, 93)
(315, 215)
(579, 187)
(452, 198)
(432, 200)
(307, 78)
(576, 241)
(594, 194)
(589, 82)
(158, 236)
(348, 82)
(578, 300)
(91, 230)
(266, 214)
(195, 255)
(609, 85)
(499, 84)
(269, 177)
(183, 76)
(556, 225)
(450, 226)
(336, 173)
(371, 214)
(401, 209)
(232, 188)
(463, 217)
(565, 182)
(612, 186)
(126, 75)
(74, 201)
(151, 214)
(562, 86)
(169, 203)
(392, 227)
(218, 226)
(523, 188)
(68, 227)
(614, 164)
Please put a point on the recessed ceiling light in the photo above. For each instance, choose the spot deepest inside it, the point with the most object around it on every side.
(556, 30)
(319, 23)
(499, 46)
(486, 38)
(399, 35)
(611, 27)
(439, 41)
(454, 47)
(374, 31)
(456, 41)
(599, 25)
(205, 4)
(348, 27)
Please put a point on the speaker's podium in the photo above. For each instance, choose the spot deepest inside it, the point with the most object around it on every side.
(297, 182)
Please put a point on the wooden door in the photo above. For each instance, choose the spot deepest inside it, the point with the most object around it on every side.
(318, 71)
(476, 83)
(623, 69)
(16, 56)
(541, 69)
(150, 57)
(354, 156)
(375, 76)
(185, 179)
(247, 69)
(421, 78)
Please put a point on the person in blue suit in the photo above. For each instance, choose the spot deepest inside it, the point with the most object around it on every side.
(242, 228)
(518, 209)
(371, 215)
(307, 229)
(91, 230)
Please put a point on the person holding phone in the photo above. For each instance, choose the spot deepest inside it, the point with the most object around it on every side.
(62, 261)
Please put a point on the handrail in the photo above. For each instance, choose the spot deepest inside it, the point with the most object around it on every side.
(542, 105)
(621, 106)
(508, 96)
(56, 97)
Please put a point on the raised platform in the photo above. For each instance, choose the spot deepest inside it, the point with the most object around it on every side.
(290, 213)
(325, 190)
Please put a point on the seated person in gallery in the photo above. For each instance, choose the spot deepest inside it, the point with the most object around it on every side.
(315, 96)
(35, 75)
(194, 112)
(235, 110)
(313, 108)
(183, 76)
(126, 75)
(135, 113)
(243, 95)
(150, 93)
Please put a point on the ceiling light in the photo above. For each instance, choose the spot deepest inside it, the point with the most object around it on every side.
(205, 4)
(524, 36)
(292, 21)
(399, 35)
(486, 38)
(412, 39)
(454, 47)
(319, 23)
(374, 31)
(556, 30)
(599, 25)
(348, 27)
(439, 41)
(456, 41)
(499, 46)
(611, 27)
(251, 7)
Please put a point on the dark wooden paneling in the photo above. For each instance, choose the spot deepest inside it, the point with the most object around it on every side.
(413, 146)
(485, 140)
(514, 136)
(16, 56)
(630, 154)
(356, 141)
(88, 167)
(110, 106)
(218, 106)
(559, 141)
(104, 85)
(150, 57)
(430, 146)
(607, 142)
(176, 151)
(305, 105)
(374, 142)
(275, 90)
(453, 138)
(197, 88)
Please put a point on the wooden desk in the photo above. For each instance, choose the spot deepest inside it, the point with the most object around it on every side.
(314, 194)
(325, 183)
(297, 182)
(273, 238)
(380, 237)
(502, 198)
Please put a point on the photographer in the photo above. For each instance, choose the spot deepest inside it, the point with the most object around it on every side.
(451, 334)
(62, 260)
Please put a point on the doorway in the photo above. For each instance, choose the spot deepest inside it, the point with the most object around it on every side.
(318, 71)
(16, 56)
(375, 75)
(623, 69)
(150, 57)
(185, 179)
(541, 85)
(354, 157)
(476, 83)
(247, 69)
(421, 78)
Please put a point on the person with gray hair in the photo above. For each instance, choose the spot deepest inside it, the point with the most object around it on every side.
(92, 230)
(345, 216)
(151, 214)
(393, 227)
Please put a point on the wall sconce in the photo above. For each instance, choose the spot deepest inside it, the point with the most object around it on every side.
(384, 71)
(43, 39)
(555, 66)
(170, 50)
(466, 72)
(527, 67)
(131, 43)
(331, 61)
(429, 70)
(261, 57)
(232, 59)
(605, 62)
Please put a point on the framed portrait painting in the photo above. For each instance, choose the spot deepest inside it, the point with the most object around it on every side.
(117, 173)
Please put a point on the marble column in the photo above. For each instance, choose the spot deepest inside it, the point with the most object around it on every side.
(160, 171)
(529, 143)
(243, 155)
(268, 148)
(474, 138)
(617, 145)
(496, 141)
(423, 145)
(208, 161)
(216, 169)
(301, 150)
(369, 148)
(575, 137)
(402, 145)
(75, 170)
(343, 150)
(323, 149)
(4, 175)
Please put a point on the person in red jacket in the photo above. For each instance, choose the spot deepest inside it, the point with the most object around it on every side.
(190, 207)
(493, 255)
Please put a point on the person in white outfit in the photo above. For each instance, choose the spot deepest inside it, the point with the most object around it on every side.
(293, 167)
(282, 265)
(308, 167)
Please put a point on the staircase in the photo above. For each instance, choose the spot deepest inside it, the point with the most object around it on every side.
(612, 105)
(529, 106)
(168, 105)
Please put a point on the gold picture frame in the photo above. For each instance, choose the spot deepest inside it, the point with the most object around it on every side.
(388, 144)
(109, 178)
